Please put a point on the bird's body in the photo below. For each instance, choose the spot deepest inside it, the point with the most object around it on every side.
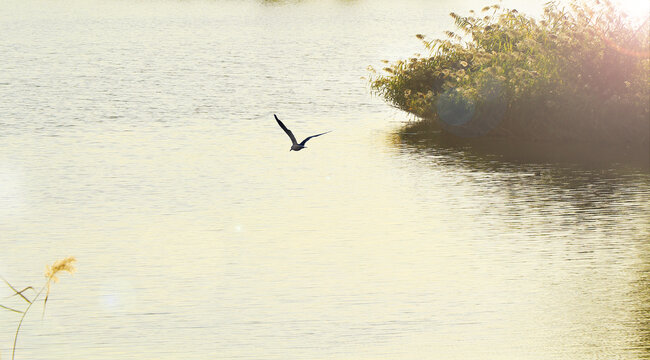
(295, 146)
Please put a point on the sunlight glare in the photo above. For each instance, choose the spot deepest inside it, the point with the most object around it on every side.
(637, 9)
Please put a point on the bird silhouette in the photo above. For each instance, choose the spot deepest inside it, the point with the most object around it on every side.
(295, 146)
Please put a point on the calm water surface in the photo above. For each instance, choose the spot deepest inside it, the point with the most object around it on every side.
(139, 137)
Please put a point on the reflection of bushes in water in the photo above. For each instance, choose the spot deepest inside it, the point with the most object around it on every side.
(582, 73)
(427, 135)
(587, 180)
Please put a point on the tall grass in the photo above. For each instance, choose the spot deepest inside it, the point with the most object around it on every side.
(51, 272)
(577, 73)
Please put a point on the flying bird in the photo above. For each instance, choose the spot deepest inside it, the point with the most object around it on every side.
(296, 146)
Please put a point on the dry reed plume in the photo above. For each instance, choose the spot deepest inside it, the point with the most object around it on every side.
(51, 272)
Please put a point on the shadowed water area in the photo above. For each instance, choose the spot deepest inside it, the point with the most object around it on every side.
(139, 137)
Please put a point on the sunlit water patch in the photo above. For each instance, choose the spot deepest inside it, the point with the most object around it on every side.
(140, 138)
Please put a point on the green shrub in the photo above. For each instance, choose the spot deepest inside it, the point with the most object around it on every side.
(581, 73)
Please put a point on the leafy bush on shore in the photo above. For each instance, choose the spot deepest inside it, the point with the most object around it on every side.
(581, 73)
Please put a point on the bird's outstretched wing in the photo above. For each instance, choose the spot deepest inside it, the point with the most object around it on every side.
(293, 138)
(313, 136)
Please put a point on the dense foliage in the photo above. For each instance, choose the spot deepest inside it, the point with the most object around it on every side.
(581, 72)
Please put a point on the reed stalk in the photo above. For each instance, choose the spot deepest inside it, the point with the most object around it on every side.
(51, 271)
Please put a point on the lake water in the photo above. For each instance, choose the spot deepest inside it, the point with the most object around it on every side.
(139, 137)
